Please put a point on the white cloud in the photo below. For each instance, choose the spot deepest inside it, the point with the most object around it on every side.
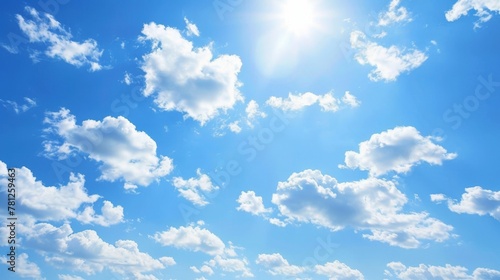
(193, 239)
(389, 62)
(60, 203)
(350, 100)
(125, 153)
(191, 28)
(168, 261)
(448, 272)
(475, 200)
(195, 189)
(69, 277)
(231, 265)
(397, 150)
(110, 215)
(204, 269)
(127, 79)
(338, 271)
(373, 204)
(45, 29)
(483, 8)
(188, 80)
(277, 265)
(25, 268)
(295, 102)
(86, 252)
(394, 14)
(251, 203)
(235, 127)
(29, 103)
(253, 111)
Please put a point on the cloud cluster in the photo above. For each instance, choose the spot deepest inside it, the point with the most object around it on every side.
(400, 271)
(60, 203)
(483, 8)
(339, 271)
(277, 265)
(389, 62)
(327, 102)
(187, 79)
(397, 150)
(475, 200)
(197, 239)
(86, 252)
(394, 14)
(124, 152)
(195, 189)
(45, 29)
(373, 204)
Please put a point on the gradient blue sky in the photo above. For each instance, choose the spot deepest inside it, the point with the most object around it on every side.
(251, 139)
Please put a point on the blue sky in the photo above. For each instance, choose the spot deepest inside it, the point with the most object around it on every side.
(251, 139)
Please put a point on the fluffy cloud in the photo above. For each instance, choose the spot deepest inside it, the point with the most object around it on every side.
(373, 204)
(45, 29)
(125, 153)
(253, 111)
(295, 102)
(204, 269)
(389, 62)
(188, 80)
(86, 252)
(394, 14)
(475, 200)
(483, 8)
(29, 103)
(277, 265)
(338, 271)
(234, 265)
(448, 272)
(110, 215)
(193, 239)
(397, 150)
(195, 189)
(350, 100)
(59, 203)
(251, 203)
(25, 268)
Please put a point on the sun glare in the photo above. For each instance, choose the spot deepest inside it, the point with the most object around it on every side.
(298, 16)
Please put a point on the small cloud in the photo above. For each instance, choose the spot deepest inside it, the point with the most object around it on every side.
(394, 14)
(191, 28)
(19, 108)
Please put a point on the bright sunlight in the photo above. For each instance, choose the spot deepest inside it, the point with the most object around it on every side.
(298, 16)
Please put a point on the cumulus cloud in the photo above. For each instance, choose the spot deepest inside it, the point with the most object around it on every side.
(394, 14)
(338, 271)
(252, 110)
(124, 153)
(203, 269)
(372, 205)
(195, 189)
(25, 268)
(397, 150)
(397, 270)
(235, 127)
(86, 252)
(59, 203)
(484, 10)
(191, 28)
(350, 100)
(19, 108)
(110, 215)
(295, 102)
(187, 79)
(251, 203)
(233, 265)
(389, 62)
(43, 28)
(475, 200)
(193, 239)
(277, 265)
